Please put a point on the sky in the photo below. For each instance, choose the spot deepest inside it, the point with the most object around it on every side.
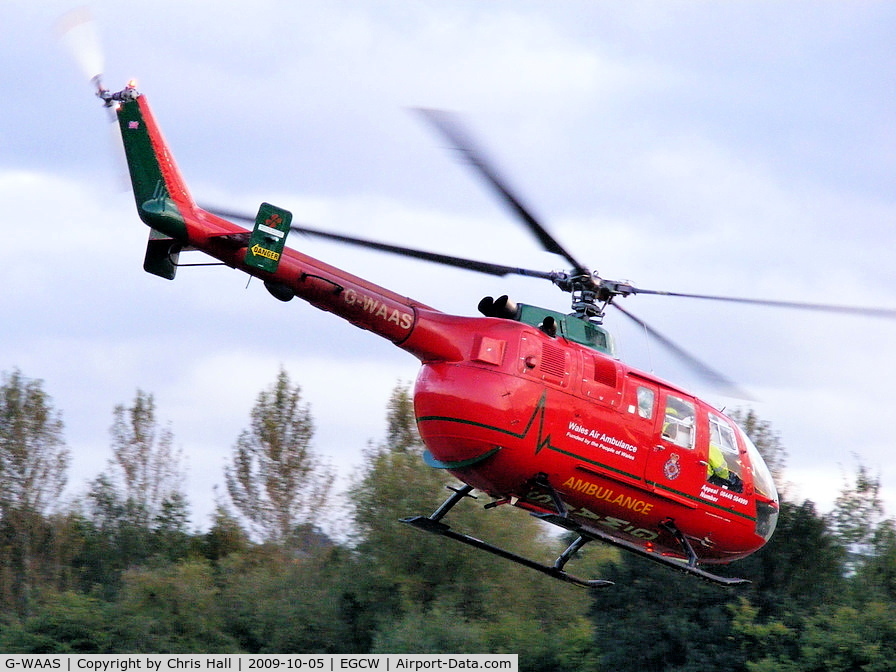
(737, 148)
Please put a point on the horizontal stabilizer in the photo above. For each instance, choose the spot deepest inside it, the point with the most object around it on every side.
(268, 237)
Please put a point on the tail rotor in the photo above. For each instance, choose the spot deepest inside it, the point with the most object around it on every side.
(77, 31)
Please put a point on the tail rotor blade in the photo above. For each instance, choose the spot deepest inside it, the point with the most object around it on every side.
(77, 30)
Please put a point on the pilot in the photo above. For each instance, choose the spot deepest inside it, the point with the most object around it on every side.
(716, 466)
(718, 473)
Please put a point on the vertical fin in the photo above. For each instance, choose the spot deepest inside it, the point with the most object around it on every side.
(159, 190)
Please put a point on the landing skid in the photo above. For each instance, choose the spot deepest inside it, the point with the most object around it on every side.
(434, 525)
(686, 566)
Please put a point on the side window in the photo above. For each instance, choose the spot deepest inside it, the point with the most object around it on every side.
(678, 425)
(723, 464)
(646, 401)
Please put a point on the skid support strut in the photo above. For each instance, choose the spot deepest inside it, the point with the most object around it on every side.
(434, 525)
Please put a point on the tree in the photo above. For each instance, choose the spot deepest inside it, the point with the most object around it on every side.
(876, 576)
(655, 618)
(136, 508)
(274, 605)
(144, 462)
(33, 471)
(173, 608)
(858, 511)
(33, 456)
(844, 639)
(275, 480)
(836, 638)
(770, 645)
(226, 536)
(405, 566)
(801, 567)
(766, 440)
(63, 623)
(401, 425)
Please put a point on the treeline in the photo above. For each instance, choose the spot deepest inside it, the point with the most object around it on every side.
(120, 569)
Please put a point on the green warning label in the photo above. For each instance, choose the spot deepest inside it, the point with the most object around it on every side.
(268, 237)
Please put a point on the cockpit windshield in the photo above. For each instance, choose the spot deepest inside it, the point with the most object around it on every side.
(764, 485)
(763, 482)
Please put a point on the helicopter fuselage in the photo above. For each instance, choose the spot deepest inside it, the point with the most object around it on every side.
(523, 409)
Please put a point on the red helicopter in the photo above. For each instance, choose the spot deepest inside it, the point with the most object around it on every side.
(527, 405)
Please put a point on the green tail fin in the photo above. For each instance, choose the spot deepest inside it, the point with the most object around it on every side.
(159, 190)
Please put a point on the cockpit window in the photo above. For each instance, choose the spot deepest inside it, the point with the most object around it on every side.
(723, 464)
(678, 425)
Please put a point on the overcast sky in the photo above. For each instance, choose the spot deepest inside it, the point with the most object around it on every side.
(741, 148)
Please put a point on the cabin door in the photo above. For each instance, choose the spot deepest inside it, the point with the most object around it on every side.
(674, 469)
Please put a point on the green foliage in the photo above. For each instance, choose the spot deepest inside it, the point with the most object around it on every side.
(62, 623)
(434, 630)
(769, 645)
(876, 577)
(843, 639)
(858, 513)
(800, 569)
(274, 602)
(136, 509)
(224, 538)
(857, 510)
(835, 638)
(170, 609)
(812, 607)
(656, 619)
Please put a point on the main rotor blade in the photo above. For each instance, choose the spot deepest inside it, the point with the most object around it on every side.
(719, 381)
(450, 126)
(821, 307)
(446, 259)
